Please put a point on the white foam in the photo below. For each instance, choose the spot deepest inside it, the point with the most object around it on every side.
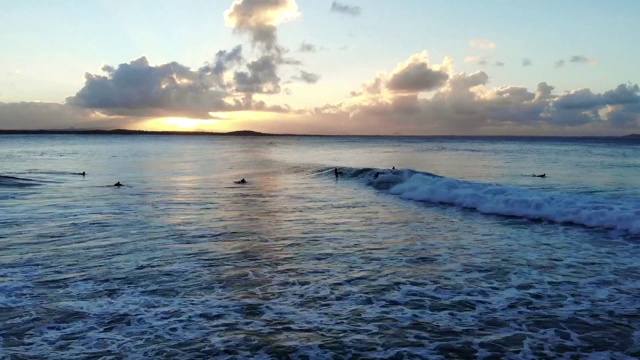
(583, 209)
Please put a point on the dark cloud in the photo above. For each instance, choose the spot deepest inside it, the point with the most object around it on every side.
(307, 77)
(623, 94)
(306, 47)
(543, 92)
(526, 62)
(345, 9)
(578, 59)
(224, 59)
(585, 99)
(261, 77)
(249, 103)
(578, 99)
(139, 89)
(416, 76)
(575, 59)
(464, 104)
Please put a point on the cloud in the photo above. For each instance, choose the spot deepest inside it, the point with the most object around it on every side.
(482, 44)
(140, 89)
(579, 59)
(224, 59)
(306, 47)
(576, 59)
(345, 9)
(261, 76)
(585, 99)
(260, 18)
(464, 105)
(227, 83)
(543, 92)
(480, 60)
(307, 77)
(526, 62)
(415, 76)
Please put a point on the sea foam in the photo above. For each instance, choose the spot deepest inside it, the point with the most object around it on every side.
(583, 209)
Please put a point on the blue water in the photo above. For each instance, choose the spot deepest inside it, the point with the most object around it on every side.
(458, 252)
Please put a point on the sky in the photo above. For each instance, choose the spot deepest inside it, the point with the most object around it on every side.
(350, 67)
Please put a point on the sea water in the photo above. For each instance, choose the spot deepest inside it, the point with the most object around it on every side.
(421, 248)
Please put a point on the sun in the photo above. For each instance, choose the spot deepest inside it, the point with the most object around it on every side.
(218, 122)
(183, 124)
(180, 123)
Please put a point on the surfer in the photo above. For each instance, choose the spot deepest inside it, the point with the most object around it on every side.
(82, 173)
(243, 181)
(335, 172)
(541, 175)
(118, 184)
(376, 175)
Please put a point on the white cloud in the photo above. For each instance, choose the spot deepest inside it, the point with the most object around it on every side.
(480, 60)
(464, 105)
(482, 44)
(260, 19)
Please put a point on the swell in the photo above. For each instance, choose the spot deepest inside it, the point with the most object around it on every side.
(590, 210)
(12, 181)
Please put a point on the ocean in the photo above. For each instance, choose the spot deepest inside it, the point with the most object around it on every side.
(431, 247)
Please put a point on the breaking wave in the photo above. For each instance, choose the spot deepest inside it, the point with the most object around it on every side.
(590, 210)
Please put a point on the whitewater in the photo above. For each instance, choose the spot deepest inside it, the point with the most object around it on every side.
(421, 247)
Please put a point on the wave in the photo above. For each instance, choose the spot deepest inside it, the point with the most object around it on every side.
(12, 181)
(590, 210)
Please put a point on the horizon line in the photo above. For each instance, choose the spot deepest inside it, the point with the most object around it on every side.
(258, 133)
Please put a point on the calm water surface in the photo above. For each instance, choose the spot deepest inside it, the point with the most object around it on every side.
(458, 253)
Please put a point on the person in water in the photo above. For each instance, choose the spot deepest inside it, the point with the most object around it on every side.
(376, 175)
(82, 173)
(541, 175)
(243, 181)
(118, 184)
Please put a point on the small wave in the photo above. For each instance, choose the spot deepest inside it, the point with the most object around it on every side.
(586, 209)
(582, 209)
(12, 181)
